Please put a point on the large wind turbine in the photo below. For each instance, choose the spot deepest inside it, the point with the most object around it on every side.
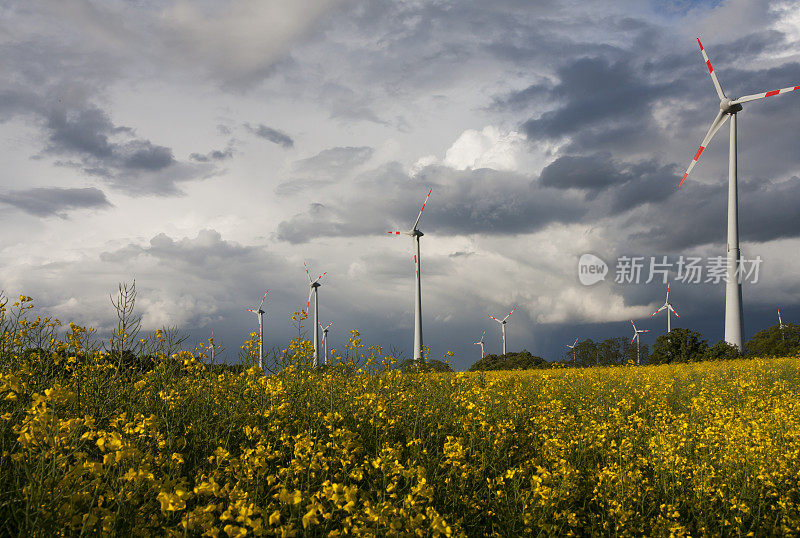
(314, 285)
(572, 347)
(480, 343)
(636, 333)
(260, 313)
(325, 341)
(503, 325)
(415, 235)
(728, 108)
(670, 310)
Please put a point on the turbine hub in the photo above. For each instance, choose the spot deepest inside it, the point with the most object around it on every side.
(415, 233)
(315, 284)
(728, 107)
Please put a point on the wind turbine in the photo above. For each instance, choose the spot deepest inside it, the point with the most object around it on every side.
(325, 340)
(260, 313)
(636, 333)
(415, 235)
(670, 310)
(314, 285)
(572, 347)
(780, 324)
(728, 108)
(480, 343)
(503, 325)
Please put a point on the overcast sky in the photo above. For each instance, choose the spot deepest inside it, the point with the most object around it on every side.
(207, 149)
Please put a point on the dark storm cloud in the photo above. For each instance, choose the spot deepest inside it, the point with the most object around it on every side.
(595, 92)
(53, 201)
(697, 215)
(273, 135)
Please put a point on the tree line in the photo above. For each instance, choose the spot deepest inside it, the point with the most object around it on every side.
(678, 346)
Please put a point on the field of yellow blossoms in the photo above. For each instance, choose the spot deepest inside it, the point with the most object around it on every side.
(187, 448)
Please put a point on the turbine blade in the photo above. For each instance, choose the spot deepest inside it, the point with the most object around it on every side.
(421, 210)
(395, 233)
(251, 310)
(645, 331)
(780, 322)
(720, 93)
(307, 273)
(634, 325)
(320, 276)
(484, 334)
(715, 125)
(494, 318)
(657, 311)
(509, 314)
(575, 343)
(308, 304)
(668, 283)
(634, 337)
(262, 300)
(673, 310)
(756, 96)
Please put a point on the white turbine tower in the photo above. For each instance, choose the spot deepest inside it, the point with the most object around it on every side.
(670, 310)
(415, 235)
(314, 285)
(325, 341)
(636, 333)
(480, 343)
(260, 313)
(572, 347)
(503, 326)
(728, 108)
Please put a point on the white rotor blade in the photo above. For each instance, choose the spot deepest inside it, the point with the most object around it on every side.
(657, 311)
(307, 273)
(673, 310)
(509, 314)
(262, 300)
(720, 93)
(575, 343)
(635, 335)
(756, 96)
(715, 125)
(308, 305)
(494, 318)
(421, 210)
(634, 326)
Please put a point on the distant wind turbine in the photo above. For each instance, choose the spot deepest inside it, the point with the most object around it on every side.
(572, 347)
(728, 108)
(503, 326)
(415, 235)
(670, 310)
(480, 343)
(260, 313)
(780, 324)
(314, 285)
(636, 333)
(325, 340)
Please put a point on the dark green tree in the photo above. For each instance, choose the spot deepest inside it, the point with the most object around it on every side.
(722, 351)
(680, 345)
(523, 360)
(775, 341)
(585, 353)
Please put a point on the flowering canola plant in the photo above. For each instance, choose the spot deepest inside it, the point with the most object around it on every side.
(190, 448)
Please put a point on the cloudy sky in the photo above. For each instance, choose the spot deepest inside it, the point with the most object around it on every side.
(207, 149)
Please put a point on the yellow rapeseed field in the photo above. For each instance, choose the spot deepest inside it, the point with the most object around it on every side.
(187, 448)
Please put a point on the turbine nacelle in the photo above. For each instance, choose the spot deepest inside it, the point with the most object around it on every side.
(729, 106)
